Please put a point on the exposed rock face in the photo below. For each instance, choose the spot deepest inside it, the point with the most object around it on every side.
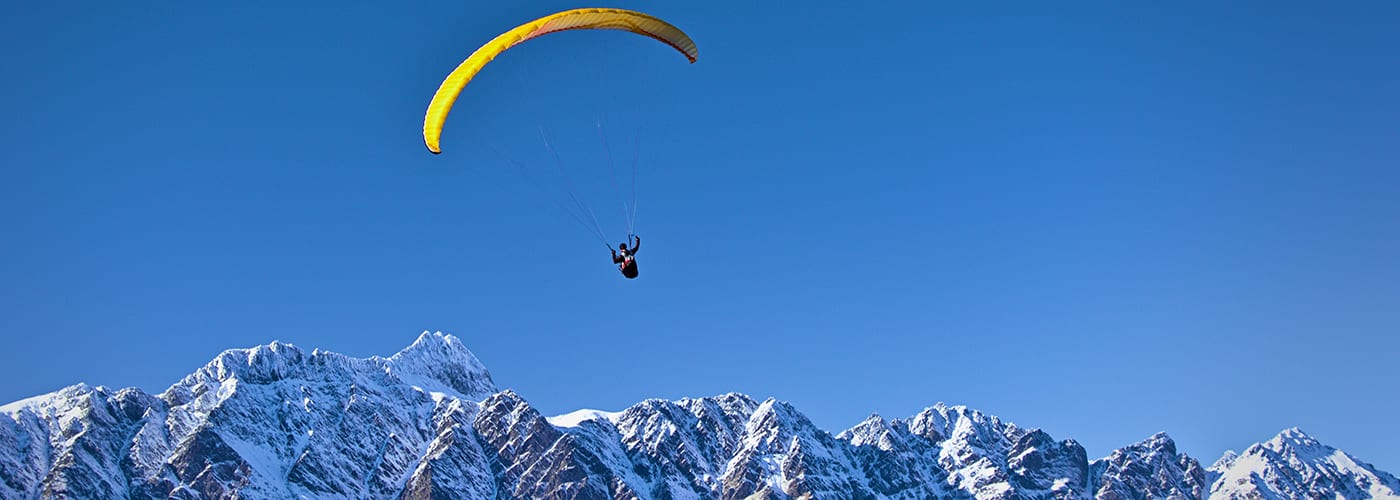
(277, 422)
(1150, 469)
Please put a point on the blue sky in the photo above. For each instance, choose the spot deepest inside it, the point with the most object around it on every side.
(1104, 219)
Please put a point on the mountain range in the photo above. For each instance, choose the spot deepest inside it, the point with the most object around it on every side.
(275, 421)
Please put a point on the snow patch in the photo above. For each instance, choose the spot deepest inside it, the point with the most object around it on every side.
(577, 417)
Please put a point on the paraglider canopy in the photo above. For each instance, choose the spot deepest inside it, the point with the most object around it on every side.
(592, 18)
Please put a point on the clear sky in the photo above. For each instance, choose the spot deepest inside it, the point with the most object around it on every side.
(1101, 218)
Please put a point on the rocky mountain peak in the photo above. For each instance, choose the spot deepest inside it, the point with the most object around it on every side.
(1160, 441)
(441, 348)
(1151, 466)
(1225, 460)
(439, 362)
(1295, 465)
(1295, 440)
(873, 431)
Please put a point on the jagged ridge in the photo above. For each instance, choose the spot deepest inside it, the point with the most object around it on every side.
(428, 422)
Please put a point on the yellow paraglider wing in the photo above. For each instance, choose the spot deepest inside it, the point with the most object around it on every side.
(596, 19)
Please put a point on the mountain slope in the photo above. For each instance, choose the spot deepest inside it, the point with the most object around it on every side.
(1294, 465)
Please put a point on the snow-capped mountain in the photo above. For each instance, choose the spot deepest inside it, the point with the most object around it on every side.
(267, 422)
(1294, 465)
(428, 422)
(1150, 469)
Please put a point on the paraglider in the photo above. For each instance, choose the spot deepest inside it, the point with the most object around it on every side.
(626, 258)
(577, 19)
